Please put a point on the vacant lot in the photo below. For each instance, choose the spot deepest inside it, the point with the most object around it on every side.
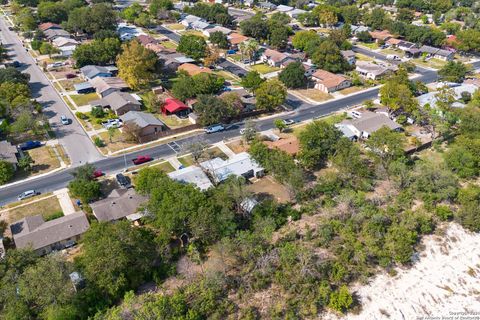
(268, 187)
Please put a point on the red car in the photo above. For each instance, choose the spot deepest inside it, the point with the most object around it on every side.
(97, 174)
(141, 159)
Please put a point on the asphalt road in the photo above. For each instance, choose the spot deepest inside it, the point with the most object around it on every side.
(77, 144)
(301, 111)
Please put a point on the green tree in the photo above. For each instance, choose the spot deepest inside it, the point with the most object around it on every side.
(85, 190)
(52, 11)
(270, 94)
(252, 80)
(117, 257)
(279, 37)
(6, 171)
(132, 12)
(12, 75)
(303, 37)
(98, 52)
(98, 17)
(219, 39)
(207, 83)
(15, 93)
(469, 213)
(328, 57)
(193, 46)
(317, 143)
(453, 71)
(386, 144)
(255, 27)
(293, 76)
(340, 300)
(157, 5)
(279, 124)
(211, 109)
(25, 162)
(398, 97)
(137, 65)
(184, 87)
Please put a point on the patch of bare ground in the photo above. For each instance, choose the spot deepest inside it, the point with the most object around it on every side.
(187, 272)
(445, 278)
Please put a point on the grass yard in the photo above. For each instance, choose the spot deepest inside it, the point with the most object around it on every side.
(173, 121)
(61, 152)
(431, 63)
(175, 26)
(169, 44)
(237, 146)
(194, 32)
(69, 104)
(370, 45)
(331, 119)
(118, 142)
(84, 99)
(46, 207)
(399, 53)
(264, 68)
(44, 159)
(314, 94)
(351, 90)
(67, 84)
(186, 161)
(165, 166)
(236, 56)
(227, 75)
(362, 57)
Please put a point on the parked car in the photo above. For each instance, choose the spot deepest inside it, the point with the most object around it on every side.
(214, 128)
(97, 174)
(27, 194)
(393, 57)
(32, 144)
(16, 64)
(142, 159)
(70, 75)
(288, 122)
(112, 123)
(64, 120)
(123, 181)
(232, 51)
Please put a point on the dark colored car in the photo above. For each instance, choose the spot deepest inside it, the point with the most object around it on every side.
(123, 181)
(30, 145)
(16, 64)
(141, 159)
(70, 75)
(97, 174)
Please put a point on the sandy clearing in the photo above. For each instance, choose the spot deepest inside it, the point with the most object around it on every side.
(445, 279)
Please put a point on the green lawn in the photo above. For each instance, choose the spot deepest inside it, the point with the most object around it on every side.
(84, 99)
(173, 121)
(169, 44)
(264, 68)
(371, 45)
(165, 166)
(186, 161)
(175, 26)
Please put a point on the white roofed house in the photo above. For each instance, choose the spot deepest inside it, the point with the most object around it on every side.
(208, 32)
(192, 174)
(188, 20)
(372, 71)
(240, 164)
(366, 124)
(295, 13)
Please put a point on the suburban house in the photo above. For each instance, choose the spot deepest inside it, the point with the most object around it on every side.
(47, 236)
(357, 29)
(309, 69)
(283, 8)
(105, 86)
(240, 164)
(368, 123)
(83, 87)
(64, 42)
(52, 34)
(236, 38)
(289, 145)
(349, 55)
(8, 153)
(383, 35)
(188, 20)
(48, 26)
(128, 32)
(371, 70)
(275, 58)
(440, 54)
(329, 82)
(208, 32)
(120, 203)
(146, 40)
(295, 13)
(431, 97)
(199, 25)
(175, 106)
(268, 6)
(192, 174)
(119, 102)
(193, 69)
(148, 126)
(90, 72)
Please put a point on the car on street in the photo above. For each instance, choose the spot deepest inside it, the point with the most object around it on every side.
(32, 144)
(112, 123)
(141, 159)
(64, 120)
(214, 128)
(288, 122)
(70, 75)
(97, 174)
(27, 194)
(123, 181)
(16, 64)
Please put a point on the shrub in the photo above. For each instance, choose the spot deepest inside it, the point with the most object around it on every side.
(99, 142)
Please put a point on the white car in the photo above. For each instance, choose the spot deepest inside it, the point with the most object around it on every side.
(64, 120)
(27, 194)
(112, 123)
(288, 122)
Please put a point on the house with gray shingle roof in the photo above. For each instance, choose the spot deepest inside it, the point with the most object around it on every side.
(149, 127)
(47, 236)
(8, 152)
(119, 102)
(92, 71)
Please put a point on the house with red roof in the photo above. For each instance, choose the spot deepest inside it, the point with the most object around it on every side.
(49, 26)
(175, 106)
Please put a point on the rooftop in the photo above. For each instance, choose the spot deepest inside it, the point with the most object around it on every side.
(8, 152)
(192, 174)
(141, 119)
(119, 204)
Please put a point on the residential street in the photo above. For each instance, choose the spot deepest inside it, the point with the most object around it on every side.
(77, 144)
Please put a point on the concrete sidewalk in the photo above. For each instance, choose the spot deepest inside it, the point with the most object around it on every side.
(65, 201)
(174, 162)
(222, 146)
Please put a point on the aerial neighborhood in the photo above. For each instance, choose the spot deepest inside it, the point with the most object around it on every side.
(239, 159)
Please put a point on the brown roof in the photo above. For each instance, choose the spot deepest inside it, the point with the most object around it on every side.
(290, 145)
(380, 35)
(119, 204)
(274, 55)
(48, 25)
(192, 69)
(393, 41)
(102, 84)
(35, 232)
(8, 152)
(237, 38)
(144, 39)
(328, 79)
